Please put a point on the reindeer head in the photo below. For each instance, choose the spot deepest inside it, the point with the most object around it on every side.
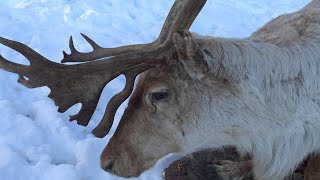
(164, 115)
(165, 106)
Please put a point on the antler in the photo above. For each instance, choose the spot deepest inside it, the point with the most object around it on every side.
(83, 83)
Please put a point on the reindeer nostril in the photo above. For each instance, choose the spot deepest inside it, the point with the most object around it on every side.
(108, 166)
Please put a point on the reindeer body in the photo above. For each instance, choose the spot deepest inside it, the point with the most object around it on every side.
(274, 112)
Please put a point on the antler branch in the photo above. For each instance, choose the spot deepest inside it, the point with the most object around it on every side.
(83, 83)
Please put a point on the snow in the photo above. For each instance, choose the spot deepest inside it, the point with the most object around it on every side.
(37, 142)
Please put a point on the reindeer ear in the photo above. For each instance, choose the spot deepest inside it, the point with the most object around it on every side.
(191, 56)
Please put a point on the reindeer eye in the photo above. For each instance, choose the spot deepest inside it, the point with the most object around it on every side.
(157, 96)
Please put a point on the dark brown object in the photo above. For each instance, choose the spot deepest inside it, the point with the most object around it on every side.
(201, 166)
(312, 171)
(83, 83)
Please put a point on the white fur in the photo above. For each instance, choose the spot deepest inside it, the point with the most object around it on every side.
(274, 113)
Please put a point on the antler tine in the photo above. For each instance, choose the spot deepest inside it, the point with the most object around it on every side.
(26, 51)
(11, 67)
(106, 123)
(72, 47)
(93, 44)
(22, 70)
(180, 18)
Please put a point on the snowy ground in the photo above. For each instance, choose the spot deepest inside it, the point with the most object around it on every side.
(36, 142)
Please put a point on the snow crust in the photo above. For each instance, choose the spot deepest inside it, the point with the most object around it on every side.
(37, 142)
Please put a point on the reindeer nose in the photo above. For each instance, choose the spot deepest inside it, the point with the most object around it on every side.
(108, 166)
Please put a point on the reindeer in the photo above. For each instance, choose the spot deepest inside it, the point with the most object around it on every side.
(260, 94)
